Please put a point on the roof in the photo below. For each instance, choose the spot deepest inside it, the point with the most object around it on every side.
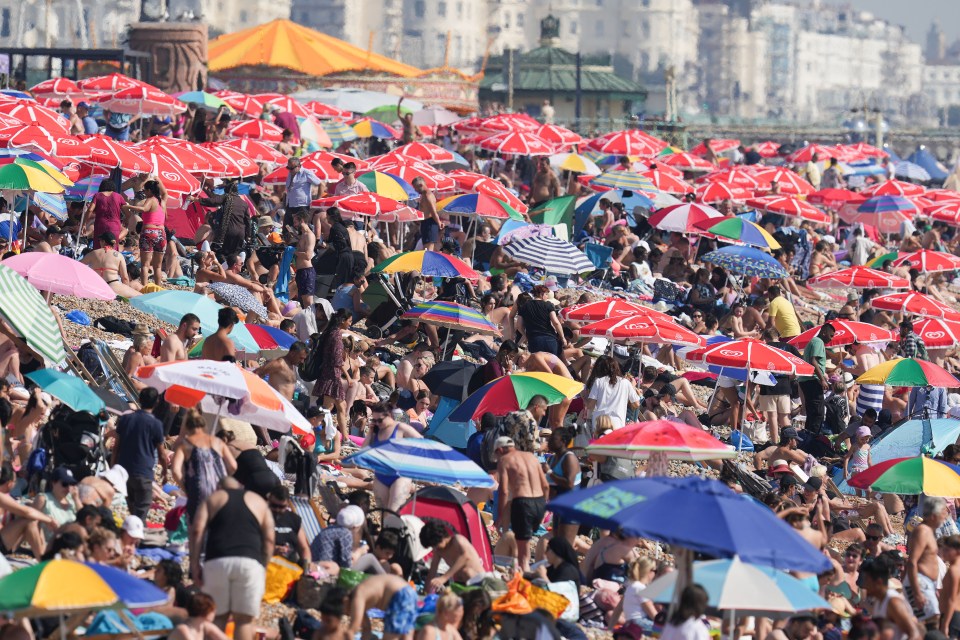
(555, 69)
(285, 44)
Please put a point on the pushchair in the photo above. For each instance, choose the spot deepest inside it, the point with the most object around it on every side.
(409, 554)
(387, 301)
(74, 439)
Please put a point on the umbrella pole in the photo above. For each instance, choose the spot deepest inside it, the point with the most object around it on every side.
(684, 561)
(446, 341)
(83, 220)
(731, 623)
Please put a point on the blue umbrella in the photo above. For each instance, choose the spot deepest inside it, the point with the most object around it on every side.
(733, 585)
(84, 189)
(930, 164)
(50, 203)
(18, 94)
(885, 204)
(68, 389)
(423, 460)
(915, 438)
(455, 434)
(911, 171)
(693, 513)
(171, 305)
(630, 200)
(746, 261)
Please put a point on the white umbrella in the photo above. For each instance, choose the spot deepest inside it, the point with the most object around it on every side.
(356, 100)
(434, 117)
(911, 171)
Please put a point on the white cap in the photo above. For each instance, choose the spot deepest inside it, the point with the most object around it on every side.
(117, 476)
(133, 527)
(351, 517)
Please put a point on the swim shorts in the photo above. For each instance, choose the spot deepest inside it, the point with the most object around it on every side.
(526, 516)
(153, 240)
(306, 281)
(401, 614)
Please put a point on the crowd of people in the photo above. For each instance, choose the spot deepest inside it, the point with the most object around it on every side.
(203, 514)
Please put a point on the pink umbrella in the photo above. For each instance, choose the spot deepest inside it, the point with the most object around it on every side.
(59, 274)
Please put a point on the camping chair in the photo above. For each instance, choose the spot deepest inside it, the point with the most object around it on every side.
(116, 379)
(601, 256)
(331, 500)
(309, 516)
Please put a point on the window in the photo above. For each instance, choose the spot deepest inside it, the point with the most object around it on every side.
(419, 8)
(243, 17)
(574, 26)
(459, 9)
(598, 28)
(506, 19)
(520, 20)
(442, 9)
(5, 22)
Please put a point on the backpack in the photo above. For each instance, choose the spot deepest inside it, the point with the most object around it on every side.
(834, 419)
(113, 324)
(488, 455)
(922, 351)
(313, 365)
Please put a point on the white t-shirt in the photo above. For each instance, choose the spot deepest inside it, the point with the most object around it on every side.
(632, 602)
(612, 400)
(691, 629)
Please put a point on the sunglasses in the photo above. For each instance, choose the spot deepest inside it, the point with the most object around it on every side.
(873, 538)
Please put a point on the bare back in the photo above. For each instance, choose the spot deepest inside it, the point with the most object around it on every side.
(522, 474)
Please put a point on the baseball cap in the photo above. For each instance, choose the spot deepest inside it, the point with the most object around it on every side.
(790, 433)
(133, 527)
(83, 104)
(863, 431)
(350, 517)
(813, 484)
(63, 475)
(779, 466)
(504, 442)
(789, 480)
(551, 283)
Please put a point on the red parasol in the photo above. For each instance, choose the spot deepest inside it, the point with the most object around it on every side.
(915, 303)
(715, 192)
(241, 102)
(110, 83)
(677, 440)
(894, 188)
(371, 205)
(143, 100)
(927, 261)
(847, 332)
(257, 151)
(589, 312)
(750, 353)
(641, 328)
(686, 162)
(938, 332)
(106, 152)
(257, 129)
(29, 112)
(790, 206)
(521, 143)
(859, 278)
(683, 218)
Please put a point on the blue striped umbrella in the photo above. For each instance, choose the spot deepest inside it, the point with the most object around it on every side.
(83, 190)
(338, 131)
(624, 180)
(50, 203)
(423, 460)
(746, 261)
(885, 204)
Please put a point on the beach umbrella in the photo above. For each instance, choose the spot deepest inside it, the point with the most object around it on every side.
(893, 188)
(589, 312)
(452, 316)
(631, 200)
(859, 278)
(915, 303)
(313, 136)
(256, 150)
(742, 589)
(21, 177)
(29, 112)
(945, 211)
(512, 230)
(144, 100)
(927, 261)
(790, 206)
(370, 205)
(241, 102)
(909, 372)
(683, 218)
(686, 162)
(217, 386)
(59, 274)
(847, 332)
(409, 169)
(106, 152)
(937, 332)
(521, 143)
(550, 254)
(171, 305)
(63, 88)
(110, 83)
(256, 129)
(435, 116)
(746, 261)
(267, 339)
(370, 128)
(717, 145)
(428, 263)
(640, 329)
(68, 389)
(667, 182)
(477, 183)
(678, 441)
(479, 204)
(739, 231)
(751, 354)
(943, 195)
(886, 213)
(425, 152)
(630, 142)
(177, 180)
(42, 165)
(911, 171)
(513, 392)
(788, 181)
(240, 165)
(52, 204)
(85, 188)
(660, 508)
(738, 175)
(559, 137)
(623, 180)
(203, 99)
(66, 586)
(421, 460)
(716, 192)
(805, 153)
(767, 149)
(450, 379)
(387, 185)
(910, 476)
(914, 438)
(832, 198)
(339, 131)
(324, 111)
(387, 113)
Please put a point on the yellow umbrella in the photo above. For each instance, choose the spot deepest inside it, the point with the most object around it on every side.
(23, 177)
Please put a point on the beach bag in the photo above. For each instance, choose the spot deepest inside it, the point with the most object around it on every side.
(667, 291)
(281, 576)
(488, 456)
(567, 589)
(113, 324)
(313, 365)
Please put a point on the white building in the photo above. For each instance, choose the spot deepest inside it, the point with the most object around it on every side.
(362, 23)
(227, 16)
(66, 23)
(506, 25)
(439, 32)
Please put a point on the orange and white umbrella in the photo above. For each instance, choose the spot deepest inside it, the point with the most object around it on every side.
(223, 386)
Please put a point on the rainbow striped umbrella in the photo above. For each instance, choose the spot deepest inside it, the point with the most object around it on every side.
(910, 476)
(909, 372)
(338, 131)
(452, 316)
(428, 263)
(479, 204)
(739, 231)
(66, 586)
(513, 392)
(266, 337)
(369, 128)
(387, 185)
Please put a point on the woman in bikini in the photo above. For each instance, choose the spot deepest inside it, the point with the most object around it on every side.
(108, 262)
(153, 235)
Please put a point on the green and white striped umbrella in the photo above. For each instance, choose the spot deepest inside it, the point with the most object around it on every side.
(27, 312)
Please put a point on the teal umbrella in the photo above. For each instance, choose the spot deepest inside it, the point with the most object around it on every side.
(339, 132)
(172, 305)
(68, 389)
(203, 99)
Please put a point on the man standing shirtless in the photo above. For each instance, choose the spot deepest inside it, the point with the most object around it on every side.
(281, 373)
(219, 346)
(920, 585)
(306, 275)
(546, 185)
(174, 348)
(523, 487)
(431, 225)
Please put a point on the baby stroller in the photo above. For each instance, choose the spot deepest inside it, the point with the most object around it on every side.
(409, 553)
(388, 302)
(74, 439)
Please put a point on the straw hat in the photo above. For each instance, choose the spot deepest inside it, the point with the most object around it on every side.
(242, 431)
